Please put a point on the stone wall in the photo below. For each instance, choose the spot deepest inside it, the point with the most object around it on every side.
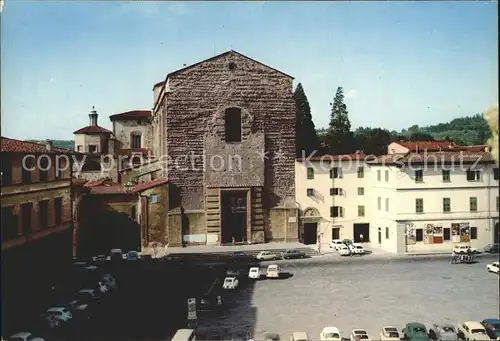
(153, 216)
(195, 100)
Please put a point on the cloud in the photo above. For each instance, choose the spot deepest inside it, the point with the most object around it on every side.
(352, 93)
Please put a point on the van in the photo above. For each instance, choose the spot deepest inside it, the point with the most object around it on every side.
(273, 271)
(184, 335)
(116, 254)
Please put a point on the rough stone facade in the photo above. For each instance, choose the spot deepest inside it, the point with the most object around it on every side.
(189, 123)
(123, 129)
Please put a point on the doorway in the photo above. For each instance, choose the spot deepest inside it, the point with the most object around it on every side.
(361, 230)
(310, 233)
(496, 231)
(234, 216)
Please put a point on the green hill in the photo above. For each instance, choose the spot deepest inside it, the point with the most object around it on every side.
(64, 144)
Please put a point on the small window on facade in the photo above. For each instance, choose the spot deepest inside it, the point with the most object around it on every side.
(419, 205)
(473, 175)
(232, 66)
(139, 122)
(310, 173)
(446, 205)
(135, 142)
(386, 176)
(361, 172)
(310, 192)
(78, 148)
(9, 223)
(232, 125)
(361, 211)
(473, 232)
(496, 173)
(386, 233)
(26, 168)
(43, 170)
(473, 204)
(92, 148)
(387, 204)
(361, 191)
(446, 175)
(419, 175)
(336, 211)
(153, 198)
(133, 213)
(335, 191)
(335, 173)
(26, 209)
(335, 233)
(379, 177)
(446, 233)
(379, 203)
(419, 235)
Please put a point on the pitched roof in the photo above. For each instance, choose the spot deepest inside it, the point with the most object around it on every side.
(149, 184)
(92, 130)
(342, 157)
(213, 58)
(8, 145)
(438, 145)
(99, 182)
(431, 158)
(131, 115)
(118, 188)
(476, 148)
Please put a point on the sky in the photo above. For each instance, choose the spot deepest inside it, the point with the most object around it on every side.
(400, 63)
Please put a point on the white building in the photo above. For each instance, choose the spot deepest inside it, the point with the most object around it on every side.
(425, 201)
(330, 191)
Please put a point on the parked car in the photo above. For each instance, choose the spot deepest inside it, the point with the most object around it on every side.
(299, 336)
(233, 273)
(239, 254)
(389, 334)
(291, 254)
(230, 283)
(273, 271)
(335, 243)
(344, 250)
(330, 334)
(61, 313)
(347, 242)
(472, 330)
(99, 258)
(443, 332)
(254, 273)
(357, 249)
(88, 295)
(271, 337)
(493, 267)
(132, 255)
(25, 336)
(463, 249)
(492, 248)
(359, 334)
(492, 327)
(415, 331)
(116, 254)
(109, 280)
(267, 255)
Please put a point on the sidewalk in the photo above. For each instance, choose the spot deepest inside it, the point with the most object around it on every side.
(234, 248)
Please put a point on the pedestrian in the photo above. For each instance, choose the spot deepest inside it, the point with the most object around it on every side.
(453, 257)
(361, 237)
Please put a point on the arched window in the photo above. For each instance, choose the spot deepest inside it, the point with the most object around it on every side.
(135, 140)
(91, 166)
(232, 124)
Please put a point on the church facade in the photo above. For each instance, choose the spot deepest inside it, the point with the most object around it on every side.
(222, 133)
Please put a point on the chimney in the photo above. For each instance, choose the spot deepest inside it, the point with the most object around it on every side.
(48, 144)
(93, 117)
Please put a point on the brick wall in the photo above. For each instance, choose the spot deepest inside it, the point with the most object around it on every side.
(198, 95)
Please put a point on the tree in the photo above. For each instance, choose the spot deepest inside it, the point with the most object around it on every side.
(339, 137)
(306, 138)
(372, 140)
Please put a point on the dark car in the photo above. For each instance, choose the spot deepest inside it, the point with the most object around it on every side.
(239, 254)
(291, 254)
(492, 327)
(415, 331)
(443, 332)
(492, 248)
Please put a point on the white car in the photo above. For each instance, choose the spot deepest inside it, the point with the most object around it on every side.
(103, 287)
(389, 334)
(266, 255)
(335, 244)
(472, 330)
(59, 313)
(463, 249)
(273, 271)
(254, 273)
(330, 334)
(359, 334)
(230, 283)
(343, 250)
(357, 249)
(25, 336)
(493, 267)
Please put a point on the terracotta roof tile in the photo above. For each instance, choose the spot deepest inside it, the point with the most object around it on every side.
(455, 157)
(115, 188)
(476, 148)
(439, 145)
(149, 184)
(343, 157)
(92, 130)
(8, 145)
(131, 115)
(97, 182)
